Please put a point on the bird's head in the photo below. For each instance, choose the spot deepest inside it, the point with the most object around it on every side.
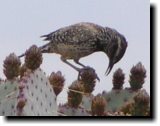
(115, 50)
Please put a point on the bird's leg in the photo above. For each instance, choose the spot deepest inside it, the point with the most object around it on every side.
(74, 67)
(80, 71)
(77, 61)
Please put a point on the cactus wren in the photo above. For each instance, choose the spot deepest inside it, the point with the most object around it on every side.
(82, 39)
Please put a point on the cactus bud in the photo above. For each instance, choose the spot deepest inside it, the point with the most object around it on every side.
(88, 78)
(138, 74)
(118, 79)
(57, 82)
(33, 57)
(74, 94)
(11, 66)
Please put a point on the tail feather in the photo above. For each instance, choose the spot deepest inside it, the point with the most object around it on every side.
(45, 48)
(21, 55)
(46, 37)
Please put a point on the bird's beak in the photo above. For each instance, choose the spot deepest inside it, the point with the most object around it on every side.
(110, 66)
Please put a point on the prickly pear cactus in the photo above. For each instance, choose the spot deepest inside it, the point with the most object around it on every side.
(32, 95)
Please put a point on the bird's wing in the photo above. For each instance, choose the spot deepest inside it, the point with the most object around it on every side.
(74, 34)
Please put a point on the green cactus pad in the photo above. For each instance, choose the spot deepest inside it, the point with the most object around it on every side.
(8, 97)
(31, 96)
(117, 98)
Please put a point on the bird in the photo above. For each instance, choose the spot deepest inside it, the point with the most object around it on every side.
(79, 40)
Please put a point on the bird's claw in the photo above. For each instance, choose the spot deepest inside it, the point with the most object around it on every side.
(83, 73)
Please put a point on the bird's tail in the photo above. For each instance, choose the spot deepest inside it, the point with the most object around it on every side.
(45, 48)
(22, 55)
(46, 37)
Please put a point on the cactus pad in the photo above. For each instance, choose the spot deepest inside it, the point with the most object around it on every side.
(31, 96)
(117, 98)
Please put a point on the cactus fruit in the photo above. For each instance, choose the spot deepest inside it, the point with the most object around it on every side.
(57, 82)
(138, 74)
(11, 66)
(74, 94)
(118, 79)
(88, 78)
(98, 105)
(33, 57)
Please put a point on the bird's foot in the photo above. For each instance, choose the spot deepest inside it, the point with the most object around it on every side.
(87, 73)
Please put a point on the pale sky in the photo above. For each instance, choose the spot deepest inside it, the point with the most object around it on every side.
(23, 22)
